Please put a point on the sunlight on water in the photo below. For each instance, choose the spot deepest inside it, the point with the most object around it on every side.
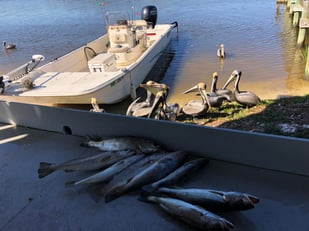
(259, 40)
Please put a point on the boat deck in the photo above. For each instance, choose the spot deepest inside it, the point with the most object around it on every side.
(273, 168)
(56, 83)
(30, 203)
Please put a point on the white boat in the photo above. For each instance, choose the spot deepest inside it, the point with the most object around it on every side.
(109, 68)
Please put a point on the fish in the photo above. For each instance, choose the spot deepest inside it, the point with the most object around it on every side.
(99, 191)
(123, 143)
(154, 172)
(95, 162)
(107, 173)
(177, 175)
(212, 200)
(192, 214)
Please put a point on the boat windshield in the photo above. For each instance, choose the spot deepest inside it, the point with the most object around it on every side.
(114, 18)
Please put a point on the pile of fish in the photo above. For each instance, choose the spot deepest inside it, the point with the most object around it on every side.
(135, 164)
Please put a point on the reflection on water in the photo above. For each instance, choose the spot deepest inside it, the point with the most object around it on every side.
(259, 40)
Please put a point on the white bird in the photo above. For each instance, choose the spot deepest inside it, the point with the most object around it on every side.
(221, 52)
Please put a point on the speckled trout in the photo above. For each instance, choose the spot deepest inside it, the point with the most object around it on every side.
(212, 200)
(99, 161)
(123, 143)
(178, 175)
(107, 173)
(192, 214)
(154, 172)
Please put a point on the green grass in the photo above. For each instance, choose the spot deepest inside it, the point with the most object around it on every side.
(266, 117)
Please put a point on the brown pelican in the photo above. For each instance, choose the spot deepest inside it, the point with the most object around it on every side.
(245, 98)
(149, 107)
(155, 87)
(95, 106)
(161, 90)
(157, 110)
(8, 46)
(141, 108)
(217, 96)
(221, 52)
(197, 107)
(219, 91)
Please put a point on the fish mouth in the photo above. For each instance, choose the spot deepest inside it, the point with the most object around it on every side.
(253, 199)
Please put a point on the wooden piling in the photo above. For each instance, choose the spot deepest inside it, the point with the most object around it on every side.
(297, 10)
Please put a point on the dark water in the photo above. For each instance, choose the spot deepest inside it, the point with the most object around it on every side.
(258, 38)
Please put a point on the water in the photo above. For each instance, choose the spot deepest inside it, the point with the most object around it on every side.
(258, 38)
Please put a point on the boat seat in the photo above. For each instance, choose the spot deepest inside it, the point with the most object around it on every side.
(118, 49)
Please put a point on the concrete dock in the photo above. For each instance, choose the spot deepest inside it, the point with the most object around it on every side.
(30, 203)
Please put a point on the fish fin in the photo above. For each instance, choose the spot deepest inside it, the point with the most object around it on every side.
(45, 169)
(217, 192)
(70, 183)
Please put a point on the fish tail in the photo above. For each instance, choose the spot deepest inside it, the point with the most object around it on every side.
(85, 144)
(45, 169)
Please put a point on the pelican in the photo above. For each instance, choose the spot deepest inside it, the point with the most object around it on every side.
(95, 106)
(158, 106)
(219, 91)
(161, 90)
(8, 46)
(245, 98)
(217, 96)
(197, 107)
(147, 108)
(220, 52)
(155, 87)
(141, 108)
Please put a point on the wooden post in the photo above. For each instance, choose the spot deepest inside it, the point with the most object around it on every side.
(303, 25)
(297, 9)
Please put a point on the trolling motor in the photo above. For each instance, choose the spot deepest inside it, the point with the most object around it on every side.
(21, 71)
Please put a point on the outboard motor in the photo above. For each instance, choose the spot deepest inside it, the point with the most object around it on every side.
(149, 14)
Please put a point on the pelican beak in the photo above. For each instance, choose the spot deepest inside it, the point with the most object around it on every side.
(160, 98)
(154, 87)
(231, 78)
(192, 89)
(206, 97)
